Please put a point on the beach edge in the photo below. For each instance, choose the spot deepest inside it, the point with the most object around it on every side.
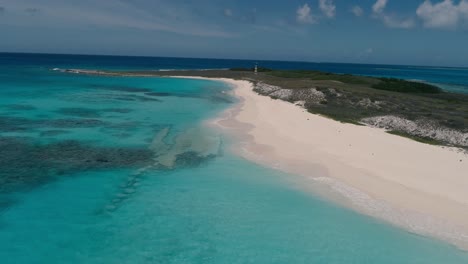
(342, 179)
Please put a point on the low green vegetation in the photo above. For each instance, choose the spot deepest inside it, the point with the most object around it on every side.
(425, 140)
(402, 86)
(388, 84)
(259, 69)
(318, 75)
(351, 99)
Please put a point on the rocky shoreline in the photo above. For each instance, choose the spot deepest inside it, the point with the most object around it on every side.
(423, 128)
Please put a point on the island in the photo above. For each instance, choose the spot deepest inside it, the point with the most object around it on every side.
(417, 110)
(392, 149)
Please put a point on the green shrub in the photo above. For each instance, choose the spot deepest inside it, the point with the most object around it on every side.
(402, 86)
(259, 69)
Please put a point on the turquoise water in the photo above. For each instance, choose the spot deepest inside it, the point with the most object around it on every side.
(120, 170)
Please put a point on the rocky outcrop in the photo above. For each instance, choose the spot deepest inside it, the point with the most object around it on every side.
(273, 91)
(368, 103)
(420, 128)
(310, 95)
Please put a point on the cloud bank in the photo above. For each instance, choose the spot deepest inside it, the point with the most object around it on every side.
(328, 8)
(228, 12)
(379, 6)
(357, 11)
(391, 21)
(304, 15)
(445, 14)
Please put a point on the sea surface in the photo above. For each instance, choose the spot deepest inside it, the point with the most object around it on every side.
(452, 79)
(100, 169)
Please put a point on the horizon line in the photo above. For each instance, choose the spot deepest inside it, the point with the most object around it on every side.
(233, 59)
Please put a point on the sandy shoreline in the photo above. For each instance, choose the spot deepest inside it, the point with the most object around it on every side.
(419, 187)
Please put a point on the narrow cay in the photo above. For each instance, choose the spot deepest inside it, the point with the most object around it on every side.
(416, 186)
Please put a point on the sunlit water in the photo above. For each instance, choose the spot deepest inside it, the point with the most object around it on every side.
(121, 170)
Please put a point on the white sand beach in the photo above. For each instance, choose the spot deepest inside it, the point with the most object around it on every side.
(420, 187)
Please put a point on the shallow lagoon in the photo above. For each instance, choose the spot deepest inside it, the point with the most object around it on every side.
(119, 170)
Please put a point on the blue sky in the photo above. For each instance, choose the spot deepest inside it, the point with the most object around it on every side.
(418, 32)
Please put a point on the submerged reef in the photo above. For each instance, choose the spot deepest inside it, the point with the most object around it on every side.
(90, 112)
(18, 124)
(25, 164)
(136, 98)
(14, 124)
(74, 123)
(162, 94)
(120, 88)
(78, 111)
(53, 133)
(111, 96)
(192, 159)
(192, 148)
(218, 97)
(21, 107)
(143, 94)
(127, 93)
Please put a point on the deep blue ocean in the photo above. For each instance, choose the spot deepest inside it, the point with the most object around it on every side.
(100, 169)
(454, 79)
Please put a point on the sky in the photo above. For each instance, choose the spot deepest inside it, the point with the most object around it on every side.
(415, 32)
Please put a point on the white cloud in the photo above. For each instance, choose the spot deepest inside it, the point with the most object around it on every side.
(463, 7)
(445, 14)
(379, 6)
(328, 8)
(304, 15)
(391, 21)
(228, 12)
(357, 11)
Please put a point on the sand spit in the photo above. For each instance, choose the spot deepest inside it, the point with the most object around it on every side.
(417, 186)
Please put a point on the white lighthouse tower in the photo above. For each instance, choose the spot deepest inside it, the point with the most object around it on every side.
(256, 68)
